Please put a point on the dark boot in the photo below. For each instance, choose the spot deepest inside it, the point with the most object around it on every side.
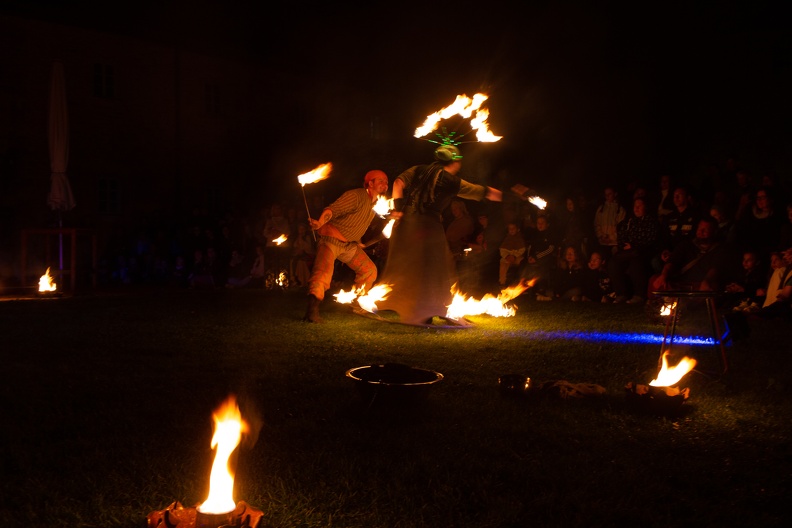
(312, 314)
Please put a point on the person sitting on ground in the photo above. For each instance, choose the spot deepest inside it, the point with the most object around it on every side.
(782, 306)
(597, 285)
(750, 287)
(569, 278)
(542, 253)
(698, 264)
(512, 251)
(775, 281)
(303, 254)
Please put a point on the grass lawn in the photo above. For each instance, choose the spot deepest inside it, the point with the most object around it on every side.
(107, 404)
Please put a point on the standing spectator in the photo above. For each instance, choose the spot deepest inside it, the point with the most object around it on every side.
(607, 216)
(629, 267)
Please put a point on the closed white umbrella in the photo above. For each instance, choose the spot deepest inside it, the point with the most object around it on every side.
(60, 197)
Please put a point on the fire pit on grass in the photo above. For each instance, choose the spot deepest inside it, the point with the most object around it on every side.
(393, 383)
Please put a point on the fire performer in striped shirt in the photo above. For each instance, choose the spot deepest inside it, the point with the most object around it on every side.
(340, 227)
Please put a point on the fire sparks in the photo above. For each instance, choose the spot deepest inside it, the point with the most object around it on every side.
(462, 305)
(280, 240)
(670, 376)
(46, 284)
(319, 173)
(229, 428)
(465, 107)
(366, 300)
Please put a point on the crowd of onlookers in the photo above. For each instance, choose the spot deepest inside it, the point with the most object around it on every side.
(732, 233)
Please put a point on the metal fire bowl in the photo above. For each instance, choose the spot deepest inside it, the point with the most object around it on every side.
(393, 383)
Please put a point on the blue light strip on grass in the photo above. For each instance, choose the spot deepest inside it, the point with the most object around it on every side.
(624, 338)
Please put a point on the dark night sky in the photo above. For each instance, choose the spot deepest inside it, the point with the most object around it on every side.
(577, 89)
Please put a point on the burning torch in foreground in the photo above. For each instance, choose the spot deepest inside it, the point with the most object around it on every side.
(219, 509)
(319, 173)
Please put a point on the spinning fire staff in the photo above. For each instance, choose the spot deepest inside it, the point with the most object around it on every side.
(319, 173)
(420, 266)
(341, 226)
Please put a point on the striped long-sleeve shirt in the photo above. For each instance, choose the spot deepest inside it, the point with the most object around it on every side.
(352, 213)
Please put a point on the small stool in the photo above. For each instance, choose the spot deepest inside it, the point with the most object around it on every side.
(676, 296)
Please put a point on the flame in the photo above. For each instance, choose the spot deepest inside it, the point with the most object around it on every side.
(229, 428)
(382, 206)
(319, 173)
(666, 309)
(366, 300)
(538, 202)
(346, 297)
(46, 284)
(280, 240)
(281, 278)
(377, 293)
(465, 107)
(671, 376)
(388, 229)
(489, 304)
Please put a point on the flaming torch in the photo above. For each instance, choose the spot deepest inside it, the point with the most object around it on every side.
(319, 173)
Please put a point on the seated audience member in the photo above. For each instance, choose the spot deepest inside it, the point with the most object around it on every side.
(568, 282)
(542, 253)
(775, 282)
(303, 254)
(782, 306)
(698, 264)
(637, 237)
(238, 270)
(750, 287)
(596, 281)
(759, 228)
(512, 252)
(785, 231)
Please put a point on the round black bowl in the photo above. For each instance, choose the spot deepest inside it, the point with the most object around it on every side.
(393, 383)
